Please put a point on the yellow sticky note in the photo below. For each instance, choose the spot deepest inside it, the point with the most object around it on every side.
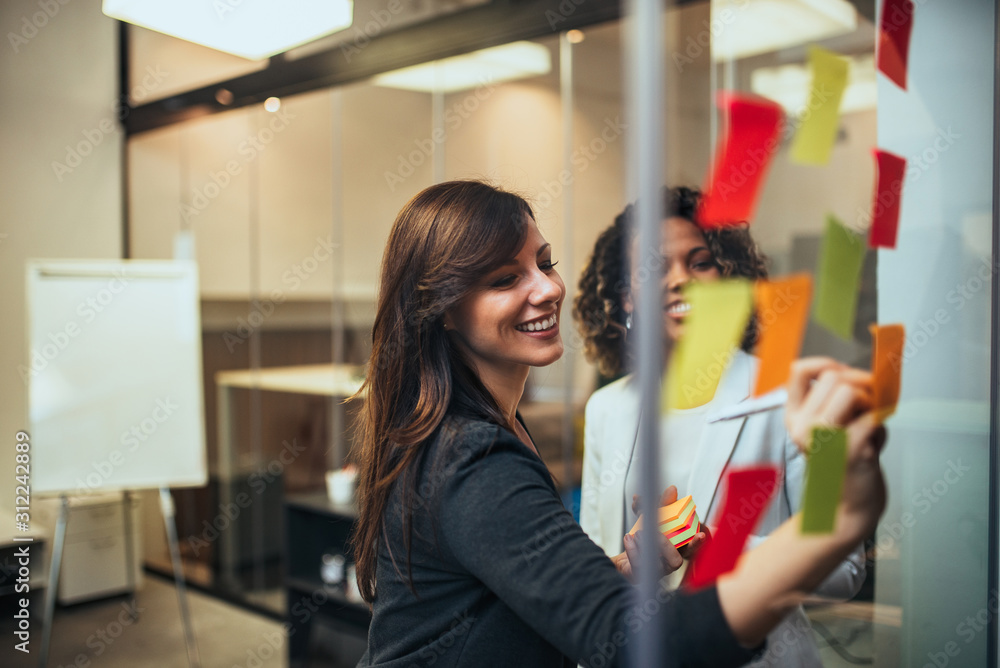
(814, 139)
(782, 315)
(713, 328)
(887, 366)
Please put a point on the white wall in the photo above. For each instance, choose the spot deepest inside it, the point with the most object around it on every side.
(937, 283)
(59, 90)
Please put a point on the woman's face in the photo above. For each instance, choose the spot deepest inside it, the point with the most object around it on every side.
(686, 257)
(511, 318)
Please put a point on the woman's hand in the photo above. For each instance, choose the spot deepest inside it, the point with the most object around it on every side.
(627, 562)
(824, 392)
(671, 558)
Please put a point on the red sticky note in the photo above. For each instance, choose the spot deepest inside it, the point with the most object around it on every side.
(747, 494)
(889, 172)
(752, 137)
(894, 39)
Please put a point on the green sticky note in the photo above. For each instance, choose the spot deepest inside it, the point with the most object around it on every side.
(815, 136)
(841, 258)
(824, 479)
(712, 331)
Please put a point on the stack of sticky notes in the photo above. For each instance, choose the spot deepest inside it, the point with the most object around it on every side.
(678, 522)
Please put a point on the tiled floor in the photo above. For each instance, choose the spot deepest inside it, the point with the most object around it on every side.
(103, 635)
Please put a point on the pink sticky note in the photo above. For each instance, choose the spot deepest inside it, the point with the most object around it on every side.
(894, 39)
(753, 127)
(747, 494)
(890, 170)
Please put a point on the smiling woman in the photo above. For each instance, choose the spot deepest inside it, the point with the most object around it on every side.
(462, 544)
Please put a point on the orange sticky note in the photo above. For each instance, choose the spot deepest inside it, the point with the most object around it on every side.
(753, 128)
(887, 366)
(782, 314)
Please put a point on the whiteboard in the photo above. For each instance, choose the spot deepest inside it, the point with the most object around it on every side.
(114, 375)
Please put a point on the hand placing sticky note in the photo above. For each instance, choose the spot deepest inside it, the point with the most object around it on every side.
(746, 495)
(782, 313)
(890, 170)
(894, 39)
(825, 471)
(753, 127)
(841, 259)
(815, 137)
(887, 367)
(718, 315)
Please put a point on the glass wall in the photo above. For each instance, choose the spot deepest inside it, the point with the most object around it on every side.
(287, 212)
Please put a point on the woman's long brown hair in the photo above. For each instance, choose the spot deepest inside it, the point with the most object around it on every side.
(442, 244)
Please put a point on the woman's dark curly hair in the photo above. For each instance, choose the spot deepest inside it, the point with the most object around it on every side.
(599, 305)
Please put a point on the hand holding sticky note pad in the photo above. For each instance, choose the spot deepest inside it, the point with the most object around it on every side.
(678, 521)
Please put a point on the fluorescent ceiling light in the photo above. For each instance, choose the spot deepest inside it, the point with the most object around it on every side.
(499, 63)
(742, 28)
(253, 29)
(789, 85)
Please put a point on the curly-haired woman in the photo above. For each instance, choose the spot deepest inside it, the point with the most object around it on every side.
(696, 454)
(453, 497)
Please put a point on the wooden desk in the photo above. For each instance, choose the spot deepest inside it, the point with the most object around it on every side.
(337, 381)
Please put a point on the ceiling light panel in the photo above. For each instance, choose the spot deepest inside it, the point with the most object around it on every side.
(253, 29)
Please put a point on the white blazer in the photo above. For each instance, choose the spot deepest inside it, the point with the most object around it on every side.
(612, 419)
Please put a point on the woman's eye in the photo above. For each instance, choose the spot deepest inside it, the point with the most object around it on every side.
(548, 265)
(504, 282)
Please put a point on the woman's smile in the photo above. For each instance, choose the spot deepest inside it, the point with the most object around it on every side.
(544, 327)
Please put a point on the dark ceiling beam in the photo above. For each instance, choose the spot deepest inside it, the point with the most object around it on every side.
(497, 23)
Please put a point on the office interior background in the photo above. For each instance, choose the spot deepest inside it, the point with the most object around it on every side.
(281, 177)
